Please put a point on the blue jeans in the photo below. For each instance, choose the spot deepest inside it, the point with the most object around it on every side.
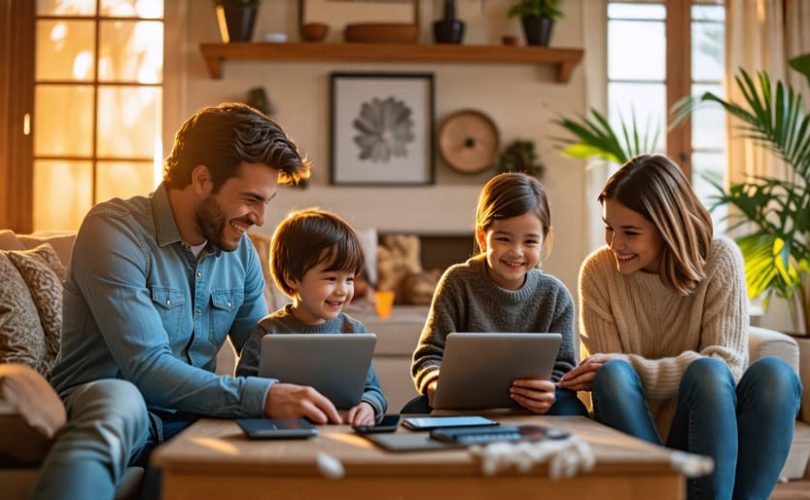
(566, 402)
(746, 429)
(108, 430)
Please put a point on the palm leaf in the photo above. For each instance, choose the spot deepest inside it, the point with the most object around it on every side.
(595, 137)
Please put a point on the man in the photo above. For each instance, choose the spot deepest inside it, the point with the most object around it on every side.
(155, 285)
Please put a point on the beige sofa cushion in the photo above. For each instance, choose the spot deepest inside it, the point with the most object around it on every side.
(31, 414)
(22, 339)
(43, 272)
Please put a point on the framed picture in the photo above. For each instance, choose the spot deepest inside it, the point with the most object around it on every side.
(382, 129)
(338, 13)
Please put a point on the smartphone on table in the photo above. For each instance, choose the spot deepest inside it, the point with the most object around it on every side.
(389, 423)
(428, 423)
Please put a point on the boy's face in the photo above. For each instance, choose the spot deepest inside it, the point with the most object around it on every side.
(321, 295)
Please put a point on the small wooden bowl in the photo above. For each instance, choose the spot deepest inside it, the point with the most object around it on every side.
(314, 32)
(381, 32)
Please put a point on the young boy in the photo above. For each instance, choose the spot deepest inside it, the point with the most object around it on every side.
(314, 257)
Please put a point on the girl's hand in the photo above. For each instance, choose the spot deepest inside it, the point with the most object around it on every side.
(535, 395)
(431, 391)
(362, 414)
(581, 377)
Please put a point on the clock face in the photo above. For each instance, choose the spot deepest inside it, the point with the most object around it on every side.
(468, 141)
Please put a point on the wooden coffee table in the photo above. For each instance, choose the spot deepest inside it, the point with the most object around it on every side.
(213, 459)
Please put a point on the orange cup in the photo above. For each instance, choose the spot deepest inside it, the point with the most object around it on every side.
(383, 301)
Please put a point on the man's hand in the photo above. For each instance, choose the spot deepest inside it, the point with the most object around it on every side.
(535, 395)
(362, 414)
(295, 401)
(581, 377)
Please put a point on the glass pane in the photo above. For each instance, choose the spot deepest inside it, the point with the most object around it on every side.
(705, 167)
(123, 180)
(66, 7)
(62, 193)
(636, 11)
(708, 13)
(149, 9)
(65, 50)
(708, 51)
(709, 121)
(63, 120)
(128, 121)
(131, 51)
(630, 42)
(646, 100)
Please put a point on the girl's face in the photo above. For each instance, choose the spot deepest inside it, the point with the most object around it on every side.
(512, 248)
(636, 242)
(321, 295)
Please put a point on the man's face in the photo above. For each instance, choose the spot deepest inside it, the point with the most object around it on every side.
(224, 217)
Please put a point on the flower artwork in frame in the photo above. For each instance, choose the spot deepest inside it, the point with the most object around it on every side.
(382, 129)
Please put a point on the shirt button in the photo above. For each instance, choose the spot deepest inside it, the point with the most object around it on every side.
(168, 302)
(229, 305)
(197, 311)
(199, 275)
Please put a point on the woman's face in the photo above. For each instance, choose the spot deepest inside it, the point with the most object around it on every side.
(636, 242)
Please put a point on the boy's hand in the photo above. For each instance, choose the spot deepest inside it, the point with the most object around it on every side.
(296, 401)
(581, 377)
(362, 414)
(535, 395)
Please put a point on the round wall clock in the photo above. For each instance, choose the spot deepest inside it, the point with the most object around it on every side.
(468, 141)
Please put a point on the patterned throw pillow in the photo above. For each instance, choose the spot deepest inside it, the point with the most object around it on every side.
(42, 271)
(22, 339)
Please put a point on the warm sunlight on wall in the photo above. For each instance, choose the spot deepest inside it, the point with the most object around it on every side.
(98, 105)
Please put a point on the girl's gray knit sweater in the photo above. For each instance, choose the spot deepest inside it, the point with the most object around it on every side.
(467, 300)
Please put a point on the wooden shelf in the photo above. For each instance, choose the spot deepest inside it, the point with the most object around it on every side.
(563, 60)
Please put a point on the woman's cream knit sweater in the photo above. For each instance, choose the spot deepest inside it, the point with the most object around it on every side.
(660, 332)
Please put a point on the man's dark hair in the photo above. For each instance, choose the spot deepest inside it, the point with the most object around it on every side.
(222, 137)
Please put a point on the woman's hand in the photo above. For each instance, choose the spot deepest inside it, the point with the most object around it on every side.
(581, 377)
(535, 395)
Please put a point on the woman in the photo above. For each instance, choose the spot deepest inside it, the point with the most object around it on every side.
(664, 315)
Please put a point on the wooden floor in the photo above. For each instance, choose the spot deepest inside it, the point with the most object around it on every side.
(794, 490)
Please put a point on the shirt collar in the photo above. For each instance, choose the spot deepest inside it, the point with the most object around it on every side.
(165, 226)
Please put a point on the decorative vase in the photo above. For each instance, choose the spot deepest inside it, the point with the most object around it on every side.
(449, 29)
(537, 30)
(236, 21)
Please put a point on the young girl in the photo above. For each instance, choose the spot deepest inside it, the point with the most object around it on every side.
(315, 256)
(664, 315)
(501, 290)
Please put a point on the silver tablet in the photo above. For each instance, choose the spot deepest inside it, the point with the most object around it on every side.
(334, 364)
(478, 368)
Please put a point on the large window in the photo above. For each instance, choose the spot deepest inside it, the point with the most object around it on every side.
(658, 51)
(98, 105)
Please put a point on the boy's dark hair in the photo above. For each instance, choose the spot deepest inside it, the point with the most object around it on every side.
(305, 238)
(221, 137)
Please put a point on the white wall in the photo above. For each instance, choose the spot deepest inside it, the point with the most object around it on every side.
(522, 100)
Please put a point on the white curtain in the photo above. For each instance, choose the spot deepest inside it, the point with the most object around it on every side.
(762, 35)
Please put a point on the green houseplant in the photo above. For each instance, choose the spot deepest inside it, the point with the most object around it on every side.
(595, 137)
(521, 157)
(538, 18)
(773, 213)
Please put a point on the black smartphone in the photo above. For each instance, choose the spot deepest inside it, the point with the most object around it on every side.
(277, 428)
(389, 423)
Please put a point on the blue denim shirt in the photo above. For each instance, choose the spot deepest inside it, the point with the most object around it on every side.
(139, 306)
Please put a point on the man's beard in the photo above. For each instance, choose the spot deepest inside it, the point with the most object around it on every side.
(211, 221)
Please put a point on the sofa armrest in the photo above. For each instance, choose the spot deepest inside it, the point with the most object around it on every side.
(763, 342)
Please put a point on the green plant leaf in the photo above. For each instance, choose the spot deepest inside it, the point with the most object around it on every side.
(802, 65)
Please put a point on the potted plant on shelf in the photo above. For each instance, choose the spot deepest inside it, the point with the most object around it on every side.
(538, 17)
(236, 19)
(773, 212)
(521, 157)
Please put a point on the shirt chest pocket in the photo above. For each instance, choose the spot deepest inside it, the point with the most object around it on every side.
(224, 306)
(169, 305)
